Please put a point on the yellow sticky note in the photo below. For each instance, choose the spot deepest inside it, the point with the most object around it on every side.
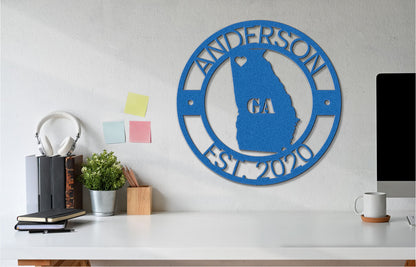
(136, 104)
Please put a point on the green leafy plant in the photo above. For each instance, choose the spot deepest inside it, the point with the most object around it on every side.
(102, 172)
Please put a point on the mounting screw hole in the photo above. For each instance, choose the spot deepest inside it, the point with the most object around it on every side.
(190, 102)
(327, 102)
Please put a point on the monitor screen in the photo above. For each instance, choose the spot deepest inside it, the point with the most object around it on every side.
(396, 128)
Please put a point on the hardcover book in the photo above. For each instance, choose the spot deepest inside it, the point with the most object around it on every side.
(73, 191)
(45, 191)
(26, 226)
(58, 182)
(50, 216)
(32, 186)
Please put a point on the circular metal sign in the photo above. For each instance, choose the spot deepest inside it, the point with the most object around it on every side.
(259, 124)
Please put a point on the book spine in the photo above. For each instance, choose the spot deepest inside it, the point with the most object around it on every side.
(45, 197)
(73, 191)
(58, 182)
(32, 192)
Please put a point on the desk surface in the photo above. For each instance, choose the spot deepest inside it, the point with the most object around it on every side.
(217, 235)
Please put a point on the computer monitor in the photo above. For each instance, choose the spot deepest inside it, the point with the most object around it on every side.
(396, 134)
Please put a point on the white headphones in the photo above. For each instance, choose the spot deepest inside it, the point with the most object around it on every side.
(67, 146)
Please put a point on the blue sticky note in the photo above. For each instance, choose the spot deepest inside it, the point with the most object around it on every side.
(114, 132)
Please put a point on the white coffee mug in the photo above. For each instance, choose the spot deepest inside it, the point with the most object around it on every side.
(374, 205)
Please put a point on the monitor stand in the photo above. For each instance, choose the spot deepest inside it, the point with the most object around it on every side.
(397, 188)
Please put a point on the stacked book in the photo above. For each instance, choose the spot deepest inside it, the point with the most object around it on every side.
(52, 183)
(54, 220)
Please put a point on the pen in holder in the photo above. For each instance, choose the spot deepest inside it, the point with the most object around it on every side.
(139, 198)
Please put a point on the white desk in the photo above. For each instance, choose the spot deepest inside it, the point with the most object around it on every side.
(218, 236)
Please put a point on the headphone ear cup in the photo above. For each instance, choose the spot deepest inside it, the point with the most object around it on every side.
(65, 146)
(46, 147)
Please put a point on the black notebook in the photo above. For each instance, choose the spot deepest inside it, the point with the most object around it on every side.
(50, 216)
(26, 226)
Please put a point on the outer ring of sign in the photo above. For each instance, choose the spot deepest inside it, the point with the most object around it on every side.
(299, 170)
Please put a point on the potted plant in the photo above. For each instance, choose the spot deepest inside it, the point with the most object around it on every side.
(102, 174)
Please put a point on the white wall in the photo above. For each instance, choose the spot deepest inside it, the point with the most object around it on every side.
(85, 56)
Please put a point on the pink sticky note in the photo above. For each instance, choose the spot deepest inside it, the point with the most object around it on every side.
(140, 132)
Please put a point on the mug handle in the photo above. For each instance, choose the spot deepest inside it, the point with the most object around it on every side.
(355, 205)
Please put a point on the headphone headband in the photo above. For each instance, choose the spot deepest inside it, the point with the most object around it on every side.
(59, 114)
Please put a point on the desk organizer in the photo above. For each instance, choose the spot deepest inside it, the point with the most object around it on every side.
(139, 200)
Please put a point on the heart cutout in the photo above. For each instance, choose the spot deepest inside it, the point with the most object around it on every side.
(240, 61)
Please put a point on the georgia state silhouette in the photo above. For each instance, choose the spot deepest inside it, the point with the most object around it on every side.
(266, 119)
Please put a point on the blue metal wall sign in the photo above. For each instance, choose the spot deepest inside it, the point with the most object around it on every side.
(267, 118)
